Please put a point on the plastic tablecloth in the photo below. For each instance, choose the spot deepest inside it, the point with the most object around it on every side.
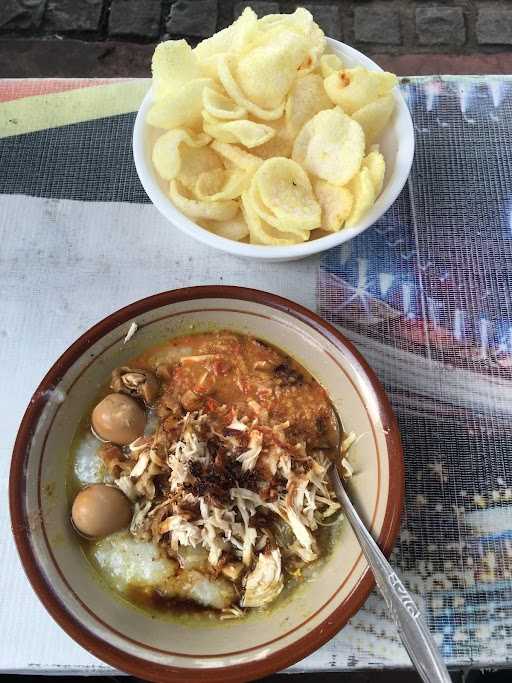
(426, 295)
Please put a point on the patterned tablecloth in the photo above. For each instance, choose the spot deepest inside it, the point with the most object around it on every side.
(426, 294)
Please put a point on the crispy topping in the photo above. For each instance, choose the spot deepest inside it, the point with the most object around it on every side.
(287, 375)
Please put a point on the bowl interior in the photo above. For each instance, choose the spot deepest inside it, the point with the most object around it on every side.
(396, 144)
(340, 584)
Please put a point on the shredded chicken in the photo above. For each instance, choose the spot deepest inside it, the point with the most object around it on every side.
(232, 490)
(265, 582)
(186, 511)
(131, 331)
(249, 458)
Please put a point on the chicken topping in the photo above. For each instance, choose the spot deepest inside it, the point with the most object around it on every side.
(232, 484)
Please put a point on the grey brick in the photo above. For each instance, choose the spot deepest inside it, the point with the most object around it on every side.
(135, 18)
(328, 18)
(21, 13)
(377, 24)
(440, 26)
(494, 26)
(193, 18)
(10, 10)
(261, 8)
(73, 15)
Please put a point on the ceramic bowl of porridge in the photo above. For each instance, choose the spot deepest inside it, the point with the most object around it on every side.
(169, 487)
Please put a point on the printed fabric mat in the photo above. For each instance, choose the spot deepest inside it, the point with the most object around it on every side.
(426, 295)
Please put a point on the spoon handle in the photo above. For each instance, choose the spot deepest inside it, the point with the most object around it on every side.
(412, 629)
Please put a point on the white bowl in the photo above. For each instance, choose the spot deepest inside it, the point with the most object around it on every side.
(397, 146)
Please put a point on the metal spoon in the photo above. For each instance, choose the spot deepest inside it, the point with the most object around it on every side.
(413, 630)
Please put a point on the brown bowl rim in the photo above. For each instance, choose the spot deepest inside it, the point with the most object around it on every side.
(161, 673)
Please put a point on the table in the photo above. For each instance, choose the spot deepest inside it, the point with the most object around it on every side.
(426, 294)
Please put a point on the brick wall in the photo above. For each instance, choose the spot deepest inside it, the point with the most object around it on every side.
(376, 27)
(386, 26)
